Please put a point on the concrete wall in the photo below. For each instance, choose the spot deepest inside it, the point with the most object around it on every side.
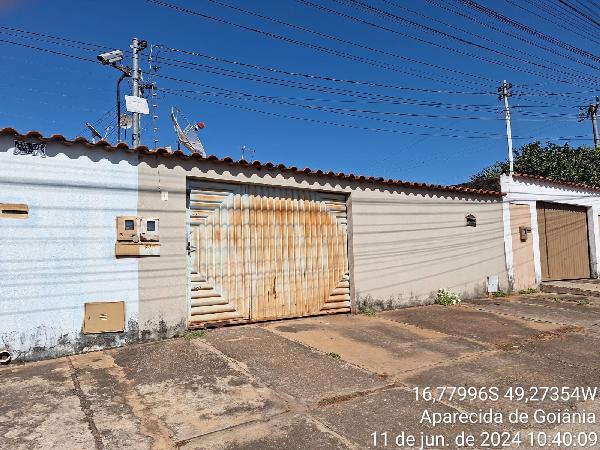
(62, 255)
(405, 244)
(410, 243)
(525, 191)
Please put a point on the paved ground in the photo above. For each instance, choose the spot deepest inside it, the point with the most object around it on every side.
(317, 383)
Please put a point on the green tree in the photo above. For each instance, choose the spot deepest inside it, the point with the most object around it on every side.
(553, 161)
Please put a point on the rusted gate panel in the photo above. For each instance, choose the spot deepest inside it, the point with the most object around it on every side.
(286, 253)
(218, 245)
(564, 247)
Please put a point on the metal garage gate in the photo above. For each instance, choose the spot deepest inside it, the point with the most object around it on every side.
(260, 253)
(564, 247)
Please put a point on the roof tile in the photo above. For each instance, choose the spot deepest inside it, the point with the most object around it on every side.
(164, 152)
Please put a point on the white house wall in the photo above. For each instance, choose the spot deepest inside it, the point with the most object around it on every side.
(62, 255)
(528, 191)
(404, 243)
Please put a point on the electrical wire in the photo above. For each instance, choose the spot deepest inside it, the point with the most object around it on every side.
(350, 126)
(478, 36)
(394, 17)
(461, 52)
(319, 48)
(522, 27)
(502, 31)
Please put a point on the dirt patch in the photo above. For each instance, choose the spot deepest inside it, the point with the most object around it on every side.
(543, 336)
(381, 346)
(467, 322)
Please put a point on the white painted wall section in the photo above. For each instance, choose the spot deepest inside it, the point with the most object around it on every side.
(522, 190)
(62, 255)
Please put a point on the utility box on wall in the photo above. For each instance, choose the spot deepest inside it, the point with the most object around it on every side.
(137, 236)
(104, 317)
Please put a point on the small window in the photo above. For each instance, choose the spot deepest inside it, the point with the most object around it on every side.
(14, 211)
(471, 220)
(129, 225)
(151, 225)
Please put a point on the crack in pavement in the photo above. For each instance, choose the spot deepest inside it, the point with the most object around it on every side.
(85, 407)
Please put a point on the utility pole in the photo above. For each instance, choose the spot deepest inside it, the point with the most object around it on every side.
(505, 91)
(592, 114)
(135, 129)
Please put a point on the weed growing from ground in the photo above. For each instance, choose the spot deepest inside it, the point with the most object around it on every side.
(334, 355)
(500, 294)
(528, 291)
(193, 334)
(583, 301)
(367, 310)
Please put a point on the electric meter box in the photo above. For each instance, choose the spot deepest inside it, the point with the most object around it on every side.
(128, 229)
(148, 230)
(137, 236)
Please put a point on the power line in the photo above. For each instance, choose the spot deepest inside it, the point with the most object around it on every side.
(337, 39)
(351, 94)
(325, 78)
(579, 12)
(553, 22)
(84, 46)
(505, 32)
(470, 33)
(501, 17)
(346, 125)
(394, 17)
(492, 61)
(327, 50)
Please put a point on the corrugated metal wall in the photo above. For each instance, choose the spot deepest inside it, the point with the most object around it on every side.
(259, 253)
(564, 247)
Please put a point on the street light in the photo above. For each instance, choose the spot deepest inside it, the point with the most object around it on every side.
(112, 58)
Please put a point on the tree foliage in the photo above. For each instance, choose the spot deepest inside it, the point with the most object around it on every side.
(553, 161)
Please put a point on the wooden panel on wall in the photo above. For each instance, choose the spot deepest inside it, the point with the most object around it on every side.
(523, 266)
(564, 246)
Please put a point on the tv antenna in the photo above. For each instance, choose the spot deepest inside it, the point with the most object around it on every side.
(188, 136)
(96, 134)
(247, 150)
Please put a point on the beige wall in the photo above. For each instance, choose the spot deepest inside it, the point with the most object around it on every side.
(524, 270)
(410, 243)
(404, 244)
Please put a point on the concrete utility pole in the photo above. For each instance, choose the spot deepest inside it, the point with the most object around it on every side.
(591, 112)
(505, 91)
(135, 128)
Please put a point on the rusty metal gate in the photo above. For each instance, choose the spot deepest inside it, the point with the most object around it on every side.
(260, 253)
(564, 247)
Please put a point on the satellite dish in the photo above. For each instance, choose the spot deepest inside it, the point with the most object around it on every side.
(126, 121)
(188, 136)
(96, 134)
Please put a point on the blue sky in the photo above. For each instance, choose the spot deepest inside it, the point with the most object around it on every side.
(437, 119)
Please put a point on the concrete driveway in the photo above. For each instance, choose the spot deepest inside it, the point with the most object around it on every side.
(316, 383)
